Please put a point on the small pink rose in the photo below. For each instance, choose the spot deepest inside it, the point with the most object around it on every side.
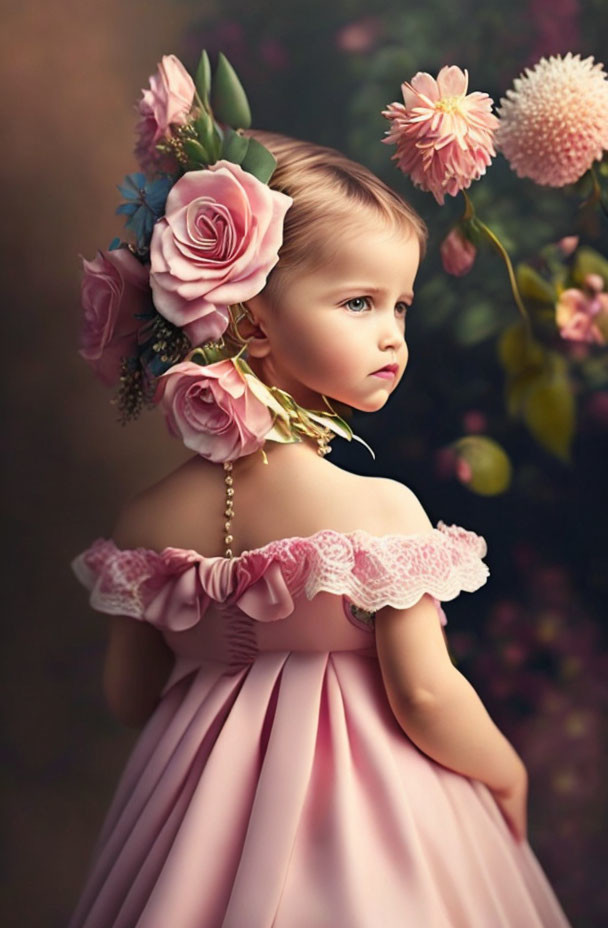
(216, 244)
(168, 102)
(115, 287)
(457, 253)
(568, 244)
(213, 410)
(583, 317)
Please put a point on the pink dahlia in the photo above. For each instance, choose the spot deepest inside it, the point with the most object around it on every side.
(444, 136)
(554, 124)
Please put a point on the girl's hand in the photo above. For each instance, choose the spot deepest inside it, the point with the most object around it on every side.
(512, 803)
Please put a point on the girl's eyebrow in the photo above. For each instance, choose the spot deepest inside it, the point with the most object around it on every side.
(366, 288)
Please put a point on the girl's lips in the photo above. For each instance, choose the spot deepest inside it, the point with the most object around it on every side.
(388, 372)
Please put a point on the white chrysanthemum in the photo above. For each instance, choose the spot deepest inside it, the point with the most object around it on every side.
(554, 124)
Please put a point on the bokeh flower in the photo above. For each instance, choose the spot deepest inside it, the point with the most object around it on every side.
(568, 245)
(582, 315)
(444, 136)
(457, 253)
(554, 123)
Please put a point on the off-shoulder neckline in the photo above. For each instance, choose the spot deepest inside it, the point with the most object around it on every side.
(441, 527)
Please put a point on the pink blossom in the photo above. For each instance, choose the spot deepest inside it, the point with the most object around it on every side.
(457, 253)
(115, 287)
(215, 246)
(582, 315)
(444, 136)
(168, 102)
(474, 421)
(360, 35)
(554, 122)
(568, 245)
(213, 410)
(274, 54)
(464, 471)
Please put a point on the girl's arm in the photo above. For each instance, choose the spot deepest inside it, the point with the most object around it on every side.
(433, 702)
(137, 665)
(138, 661)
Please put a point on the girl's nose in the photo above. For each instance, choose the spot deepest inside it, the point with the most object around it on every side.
(391, 331)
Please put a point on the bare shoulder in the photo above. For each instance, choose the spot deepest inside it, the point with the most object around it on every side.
(174, 511)
(399, 508)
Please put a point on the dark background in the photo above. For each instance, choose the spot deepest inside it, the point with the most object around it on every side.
(533, 640)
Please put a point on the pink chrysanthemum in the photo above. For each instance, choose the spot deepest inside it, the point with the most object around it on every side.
(554, 123)
(444, 136)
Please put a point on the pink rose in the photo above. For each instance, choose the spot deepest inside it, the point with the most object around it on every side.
(583, 316)
(457, 253)
(168, 102)
(215, 245)
(213, 410)
(115, 287)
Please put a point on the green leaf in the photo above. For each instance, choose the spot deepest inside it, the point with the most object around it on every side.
(228, 99)
(365, 445)
(336, 424)
(259, 161)
(589, 261)
(279, 434)
(195, 151)
(203, 78)
(489, 463)
(234, 147)
(517, 390)
(533, 286)
(516, 352)
(203, 126)
(263, 394)
(549, 413)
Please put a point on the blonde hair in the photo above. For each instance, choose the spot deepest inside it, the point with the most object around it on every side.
(326, 185)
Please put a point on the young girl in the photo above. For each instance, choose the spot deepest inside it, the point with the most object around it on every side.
(310, 757)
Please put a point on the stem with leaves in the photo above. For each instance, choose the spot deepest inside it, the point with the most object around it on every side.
(470, 217)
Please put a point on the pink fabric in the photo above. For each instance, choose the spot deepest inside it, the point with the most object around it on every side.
(174, 588)
(284, 794)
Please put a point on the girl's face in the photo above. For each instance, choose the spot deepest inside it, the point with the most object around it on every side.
(340, 327)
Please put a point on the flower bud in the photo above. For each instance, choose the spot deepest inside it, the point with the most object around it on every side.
(457, 253)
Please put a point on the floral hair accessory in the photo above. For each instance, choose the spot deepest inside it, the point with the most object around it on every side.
(213, 409)
(215, 246)
(161, 313)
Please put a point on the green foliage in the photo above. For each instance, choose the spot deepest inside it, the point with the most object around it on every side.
(203, 78)
(228, 99)
(589, 261)
(234, 146)
(489, 464)
(258, 161)
(549, 413)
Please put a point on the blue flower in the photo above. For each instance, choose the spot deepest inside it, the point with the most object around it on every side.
(145, 204)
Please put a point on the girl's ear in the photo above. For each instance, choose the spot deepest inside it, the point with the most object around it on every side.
(254, 328)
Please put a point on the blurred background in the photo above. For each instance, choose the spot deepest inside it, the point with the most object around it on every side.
(533, 640)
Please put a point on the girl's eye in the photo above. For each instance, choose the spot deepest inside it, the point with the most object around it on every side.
(402, 308)
(358, 303)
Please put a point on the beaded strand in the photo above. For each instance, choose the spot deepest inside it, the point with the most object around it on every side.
(229, 508)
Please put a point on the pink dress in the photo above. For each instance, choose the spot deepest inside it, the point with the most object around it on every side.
(273, 786)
